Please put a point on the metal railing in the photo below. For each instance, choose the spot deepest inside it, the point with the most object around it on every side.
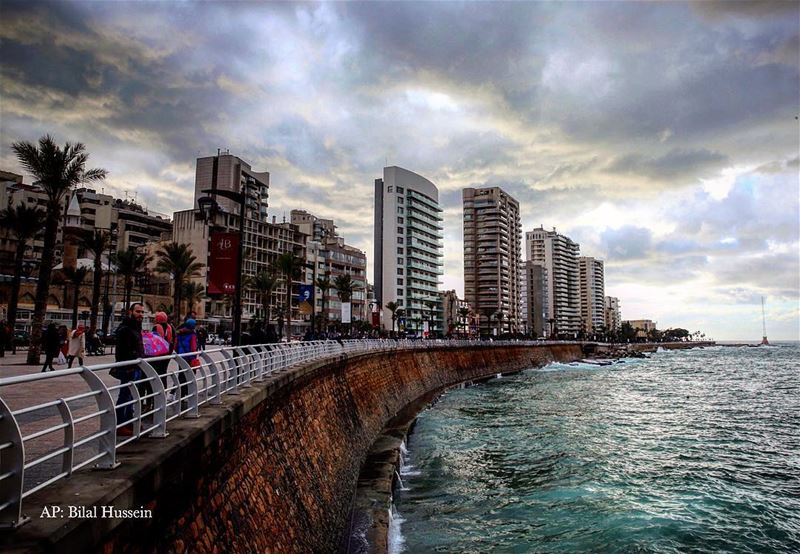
(151, 392)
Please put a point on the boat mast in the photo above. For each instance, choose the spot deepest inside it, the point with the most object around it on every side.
(763, 324)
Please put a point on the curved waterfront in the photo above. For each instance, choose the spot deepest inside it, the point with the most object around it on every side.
(688, 450)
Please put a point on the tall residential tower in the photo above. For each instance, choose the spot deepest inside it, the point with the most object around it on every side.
(492, 253)
(592, 294)
(408, 249)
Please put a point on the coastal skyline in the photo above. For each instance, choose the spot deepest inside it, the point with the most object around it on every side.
(661, 137)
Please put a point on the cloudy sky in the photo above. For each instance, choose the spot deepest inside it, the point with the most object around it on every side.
(663, 137)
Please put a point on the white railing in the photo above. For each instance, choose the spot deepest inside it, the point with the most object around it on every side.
(153, 392)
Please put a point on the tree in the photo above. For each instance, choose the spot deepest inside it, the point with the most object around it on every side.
(177, 261)
(289, 265)
(96, 242)
(463, 314)
(24, 223)
(627, 332)
(129, 263)
(392, 307)
(75, 276)
(193, 293)
(57, 170)
(499, 316)
(264, 283)
(324, 283)
(344, 289)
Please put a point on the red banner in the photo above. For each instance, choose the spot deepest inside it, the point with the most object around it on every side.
(222, 263)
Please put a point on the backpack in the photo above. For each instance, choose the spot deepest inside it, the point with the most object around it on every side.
(154, 344)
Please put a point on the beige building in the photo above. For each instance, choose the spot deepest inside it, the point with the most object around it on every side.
(612, 313)
(533, 299)
(226, 172)
(558, 254)
(327, 254)
(492, 257)
(459, 318)
(641, 326)
(592, 283)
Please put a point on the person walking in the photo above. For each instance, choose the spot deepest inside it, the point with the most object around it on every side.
(51, 344)
(77, 346)
(129, 347)
(187, 344)
(164, 329)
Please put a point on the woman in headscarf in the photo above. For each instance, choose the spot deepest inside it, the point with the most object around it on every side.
(77, 346)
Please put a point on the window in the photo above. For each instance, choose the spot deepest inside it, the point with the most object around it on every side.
(399, 209)
(400, 220)
(399, 240)
(399, 292)
(399, 270)
(399, 261)
(400, 230)
(389, 189)
(401, 200)
(400, 190)
(399, 281)
(400, 303)
(399, 250)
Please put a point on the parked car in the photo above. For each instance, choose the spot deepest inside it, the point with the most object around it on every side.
(21, 338)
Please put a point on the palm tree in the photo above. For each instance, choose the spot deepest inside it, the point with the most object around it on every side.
(264, 283)
(392, 307)
(399, 314)
(193, 293)
(129, 263)
(324, 283)
(289, 265)
(57, 170)
(75, 276)
(463, 314)
(96, 243)
(24, 223)
(180, 264)
(499, 316)
(344, 290)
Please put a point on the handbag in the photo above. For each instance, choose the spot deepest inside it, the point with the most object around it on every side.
(61, 358)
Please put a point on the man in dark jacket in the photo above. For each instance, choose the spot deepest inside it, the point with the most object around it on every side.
(129, 347)
(51, 344)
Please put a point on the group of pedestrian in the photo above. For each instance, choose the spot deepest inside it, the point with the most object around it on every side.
(63, 346)
(130, 347)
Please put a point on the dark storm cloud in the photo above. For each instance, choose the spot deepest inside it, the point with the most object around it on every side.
(675, 164)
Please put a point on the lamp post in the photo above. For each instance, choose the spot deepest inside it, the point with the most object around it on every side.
(208, 206)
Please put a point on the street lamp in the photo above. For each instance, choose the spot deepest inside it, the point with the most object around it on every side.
(208, 206)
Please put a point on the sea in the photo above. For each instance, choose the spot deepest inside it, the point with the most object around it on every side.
(685, 451)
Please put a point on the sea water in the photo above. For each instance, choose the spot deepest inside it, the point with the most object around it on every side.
(687, 451)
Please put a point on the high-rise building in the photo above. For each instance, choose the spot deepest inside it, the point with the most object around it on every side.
(533, 299)
(492, 253)
(593, 316)
(558, 254)
(612, 315)
(408, 249)
(232, 174)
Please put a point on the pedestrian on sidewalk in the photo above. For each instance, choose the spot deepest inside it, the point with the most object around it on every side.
(51, 344)
(187, 344)
(164, 329)
(77, 346)
(129, 347)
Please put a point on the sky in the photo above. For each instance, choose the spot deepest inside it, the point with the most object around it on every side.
(663, 137)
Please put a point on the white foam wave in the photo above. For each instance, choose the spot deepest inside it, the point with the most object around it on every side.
(397, 542)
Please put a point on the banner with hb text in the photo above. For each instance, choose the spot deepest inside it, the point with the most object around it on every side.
(222, 263)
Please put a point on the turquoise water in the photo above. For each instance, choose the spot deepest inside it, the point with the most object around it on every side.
(688, 451)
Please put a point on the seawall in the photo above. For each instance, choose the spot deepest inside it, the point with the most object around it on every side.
(272, 470)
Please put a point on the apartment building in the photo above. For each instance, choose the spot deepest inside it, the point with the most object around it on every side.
(558, 254)
(533, 299)
(592, 283)
(408, 249)
(492, 257)
(612, 313)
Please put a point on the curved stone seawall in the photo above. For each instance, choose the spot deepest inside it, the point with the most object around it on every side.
(276, 469)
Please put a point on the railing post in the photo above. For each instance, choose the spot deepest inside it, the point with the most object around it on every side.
(214, 373)
(258, 360)
(69, 437)
(12, 470)
(159, 400)
(108, 420)
(191, 384)
(233, 372)
(244, 366)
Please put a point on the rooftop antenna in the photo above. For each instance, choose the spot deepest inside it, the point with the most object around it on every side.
(764, 341)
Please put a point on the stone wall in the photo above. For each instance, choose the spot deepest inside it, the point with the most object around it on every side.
(276, 470)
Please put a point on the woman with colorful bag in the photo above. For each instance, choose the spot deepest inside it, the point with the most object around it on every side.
(186, 345)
